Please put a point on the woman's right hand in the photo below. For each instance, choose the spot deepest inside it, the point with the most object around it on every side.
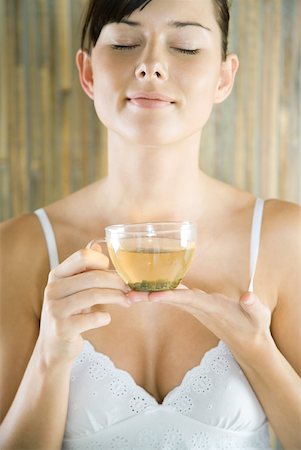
(74, 287)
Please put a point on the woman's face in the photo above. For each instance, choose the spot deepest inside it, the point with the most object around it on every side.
(156, 76)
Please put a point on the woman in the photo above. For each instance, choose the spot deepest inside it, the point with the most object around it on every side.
(89, 364)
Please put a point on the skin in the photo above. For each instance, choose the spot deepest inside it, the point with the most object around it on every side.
(153, 159)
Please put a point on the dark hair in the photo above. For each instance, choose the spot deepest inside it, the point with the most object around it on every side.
(222, 14)
(101, 12)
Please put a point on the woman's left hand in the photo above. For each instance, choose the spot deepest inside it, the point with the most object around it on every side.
(242, 325)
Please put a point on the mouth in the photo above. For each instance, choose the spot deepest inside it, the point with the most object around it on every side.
(150, 100)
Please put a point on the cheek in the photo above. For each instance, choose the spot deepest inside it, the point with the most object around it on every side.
(107, 83)
(202, 78)
(200, 90)
(105, 75)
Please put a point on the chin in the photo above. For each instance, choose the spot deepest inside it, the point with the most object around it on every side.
(149, 137)
(150, 132)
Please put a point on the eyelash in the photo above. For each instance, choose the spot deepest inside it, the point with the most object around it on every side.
(124, 47)
(132, 47)
(188, 52)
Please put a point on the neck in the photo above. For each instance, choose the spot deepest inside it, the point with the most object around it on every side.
(152, 183)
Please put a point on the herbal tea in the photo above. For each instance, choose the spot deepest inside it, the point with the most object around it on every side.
(154, 266)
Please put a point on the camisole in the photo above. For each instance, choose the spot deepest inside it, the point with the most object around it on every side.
(213, 408)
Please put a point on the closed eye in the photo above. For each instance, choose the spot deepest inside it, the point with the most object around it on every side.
(124, 47)
(187, 52)
(132, 47)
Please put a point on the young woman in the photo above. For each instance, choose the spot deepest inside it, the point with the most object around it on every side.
(89, 364)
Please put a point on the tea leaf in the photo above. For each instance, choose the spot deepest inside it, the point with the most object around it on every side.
(157, 285)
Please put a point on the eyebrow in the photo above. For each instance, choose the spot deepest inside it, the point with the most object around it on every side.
(187, 24)
(175, 24)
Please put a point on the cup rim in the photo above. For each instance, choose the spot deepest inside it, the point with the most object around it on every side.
(150, 227)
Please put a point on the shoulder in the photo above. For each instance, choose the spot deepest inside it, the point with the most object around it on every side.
(23, 275)
(18, 227)
(24, 260)
(282, 216)
(282, 237)
(20, 235)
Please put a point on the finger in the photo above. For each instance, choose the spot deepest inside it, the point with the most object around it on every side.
(94, 245)
(85, 322)
(188, 297)
(138, 296)
(88, 298)
(78, 262)
(142, 296)
(91, 279)
(193, 299)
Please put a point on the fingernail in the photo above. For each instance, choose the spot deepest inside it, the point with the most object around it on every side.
(249, 300)
(106, 318)
(96, 247)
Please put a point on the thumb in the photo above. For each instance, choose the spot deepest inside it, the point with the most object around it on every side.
(182, 286)
(94, 245)
(250, 303)
(248, 300)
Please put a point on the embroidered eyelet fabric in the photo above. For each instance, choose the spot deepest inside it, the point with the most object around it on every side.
(214, 408)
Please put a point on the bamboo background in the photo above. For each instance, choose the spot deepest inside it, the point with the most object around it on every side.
(51, 142)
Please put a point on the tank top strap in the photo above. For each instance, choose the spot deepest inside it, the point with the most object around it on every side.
(49, 237)
(255, 239)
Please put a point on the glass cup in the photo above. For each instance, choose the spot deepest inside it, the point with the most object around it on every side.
(151, 256)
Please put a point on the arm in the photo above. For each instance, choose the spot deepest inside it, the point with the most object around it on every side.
(37, 415)
(275, 372)
(36, 361)
(27, 396)
(273, 367)
(278, 388)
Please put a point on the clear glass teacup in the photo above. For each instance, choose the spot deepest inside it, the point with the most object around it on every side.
(151, 256)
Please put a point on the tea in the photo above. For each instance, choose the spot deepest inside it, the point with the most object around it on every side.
(152, 266)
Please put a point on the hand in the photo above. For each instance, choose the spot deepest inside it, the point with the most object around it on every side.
(74, 287)
(242, 325)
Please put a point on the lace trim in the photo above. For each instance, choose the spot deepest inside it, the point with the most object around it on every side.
(145, 435)
(102, 364)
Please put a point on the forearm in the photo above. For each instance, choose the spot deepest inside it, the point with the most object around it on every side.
(278, 388)
(36, 418)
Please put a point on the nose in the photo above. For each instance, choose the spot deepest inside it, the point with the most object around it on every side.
(151, 67)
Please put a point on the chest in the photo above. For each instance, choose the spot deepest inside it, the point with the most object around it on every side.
(215, 393)
(156, 344)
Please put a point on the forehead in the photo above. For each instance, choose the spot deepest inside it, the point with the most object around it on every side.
(161, 12)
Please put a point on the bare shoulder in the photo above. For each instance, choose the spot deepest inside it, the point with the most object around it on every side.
(23, 274)
(282, 215)
(282, 235)
(24, 258)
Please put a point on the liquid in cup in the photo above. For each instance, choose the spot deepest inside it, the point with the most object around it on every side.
(151, 256)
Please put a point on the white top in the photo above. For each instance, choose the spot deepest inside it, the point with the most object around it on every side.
(214, 407)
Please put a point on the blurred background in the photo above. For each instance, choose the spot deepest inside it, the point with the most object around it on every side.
(51, 142)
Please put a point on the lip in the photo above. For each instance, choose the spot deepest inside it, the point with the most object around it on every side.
(150, 100)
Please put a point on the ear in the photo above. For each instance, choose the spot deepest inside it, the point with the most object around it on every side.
(227, 76)
(84, 66)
